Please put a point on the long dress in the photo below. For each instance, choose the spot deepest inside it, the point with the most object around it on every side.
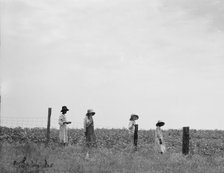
(89, 131)
(63, 133)
(131, 130)
(159, 141)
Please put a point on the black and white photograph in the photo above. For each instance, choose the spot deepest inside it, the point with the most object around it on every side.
(112, 86)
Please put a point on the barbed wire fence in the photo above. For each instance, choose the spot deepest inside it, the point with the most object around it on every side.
(34, 122)
(24, 122)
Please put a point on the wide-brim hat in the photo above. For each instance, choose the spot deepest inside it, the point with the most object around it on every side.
(160, 123)
(134, 115)
(90, 112)
(64, 108)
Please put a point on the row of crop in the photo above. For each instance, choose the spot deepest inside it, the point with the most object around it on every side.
(202, 142)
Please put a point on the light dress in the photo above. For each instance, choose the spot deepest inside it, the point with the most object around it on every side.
(63, 132)
(159, 141)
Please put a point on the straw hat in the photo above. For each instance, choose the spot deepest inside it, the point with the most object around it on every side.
(160, 123)
(134, 115)
(90, 112)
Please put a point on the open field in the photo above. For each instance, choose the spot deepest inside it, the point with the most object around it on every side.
(114, 153)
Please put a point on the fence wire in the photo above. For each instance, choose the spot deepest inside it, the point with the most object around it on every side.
(24, 122)
(40, 122)
(30, 122)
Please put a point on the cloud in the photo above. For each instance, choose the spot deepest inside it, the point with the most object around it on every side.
(210, 11)
(97, 33)
(128, 55)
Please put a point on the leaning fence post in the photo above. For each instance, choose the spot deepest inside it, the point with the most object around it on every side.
(136, 136)
(48, 125)
(186, 137)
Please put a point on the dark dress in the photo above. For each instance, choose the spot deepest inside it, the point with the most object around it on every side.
(90, 135)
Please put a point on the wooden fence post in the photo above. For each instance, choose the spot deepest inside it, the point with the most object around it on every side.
(186, 137)
(48, 125)
(136, 136)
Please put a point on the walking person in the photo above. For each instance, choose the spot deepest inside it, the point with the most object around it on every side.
(89, 129)
(159, 141)
(131, 126)
(63, 131)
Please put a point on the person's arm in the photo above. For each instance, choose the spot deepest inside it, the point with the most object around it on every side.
(67, 122)
(89, 121)
(60, 120)
(131, 126)
(63, 120)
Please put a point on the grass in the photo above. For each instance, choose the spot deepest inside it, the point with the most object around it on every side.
(207, 156)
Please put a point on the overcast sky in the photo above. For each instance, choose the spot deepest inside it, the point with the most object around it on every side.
(160, 59)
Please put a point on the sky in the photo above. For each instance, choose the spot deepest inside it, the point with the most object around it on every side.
(160, 59)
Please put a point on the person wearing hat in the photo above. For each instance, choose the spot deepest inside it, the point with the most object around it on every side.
(89, 128)
(63, 132)
(131, 126)
(159, 141)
